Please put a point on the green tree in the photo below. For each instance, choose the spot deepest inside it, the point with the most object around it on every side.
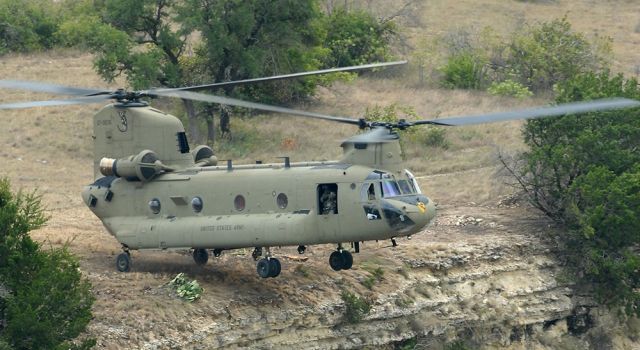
(249, 39)
(44, 301)
(584, 172)
(177, 43)
(551, 52)
(356, 37)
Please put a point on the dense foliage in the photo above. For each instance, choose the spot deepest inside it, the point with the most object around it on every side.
(584, 171)
(535, 58)
(356, 37)
(28, 25)
(44, 301)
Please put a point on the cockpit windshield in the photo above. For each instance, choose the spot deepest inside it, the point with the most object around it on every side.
(390, 188)
(405, 187)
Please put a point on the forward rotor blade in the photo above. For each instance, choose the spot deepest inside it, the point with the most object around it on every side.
(50, 88)
(253, 105)
(539, 112)
(71, 101)
(289, 76)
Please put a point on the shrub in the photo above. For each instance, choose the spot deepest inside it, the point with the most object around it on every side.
(356, 37)
(185, 289)
(356, 307)
(541, 56)
(432, 136)
(44, 301)
(463, 70)
(509, 88)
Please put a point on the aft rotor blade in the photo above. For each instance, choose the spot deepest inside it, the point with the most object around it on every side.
(290, 76)
(253, 105)
(539, 112)
(49, 88)
(378, 134)
(71, 101)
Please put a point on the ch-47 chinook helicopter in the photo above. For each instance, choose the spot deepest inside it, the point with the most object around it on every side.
(152, 191)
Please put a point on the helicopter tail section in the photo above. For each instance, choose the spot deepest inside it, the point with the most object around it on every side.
(122, 130)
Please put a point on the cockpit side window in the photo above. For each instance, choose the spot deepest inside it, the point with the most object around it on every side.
(367, 192)
(413, 182)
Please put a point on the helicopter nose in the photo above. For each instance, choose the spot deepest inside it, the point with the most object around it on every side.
(423, 212)
(408, 215)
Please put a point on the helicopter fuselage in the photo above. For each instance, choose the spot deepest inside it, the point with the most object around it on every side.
(259, 205)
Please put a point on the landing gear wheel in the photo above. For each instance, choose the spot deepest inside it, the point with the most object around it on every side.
(200, 256)
(264, 268)
(123, 262)
(301, 249)
(336, 261)
(268, 267)
(347, 259)
(275, 267)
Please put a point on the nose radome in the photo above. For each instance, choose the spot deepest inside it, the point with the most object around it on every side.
(426, 211)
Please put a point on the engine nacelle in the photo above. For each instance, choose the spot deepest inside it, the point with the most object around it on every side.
(203, 156)
(141, 167)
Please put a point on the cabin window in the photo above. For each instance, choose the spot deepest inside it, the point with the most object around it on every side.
(196, 204)
(154, 205)
(239, 202)
(389, 188)
(327, 199)
(282, 201)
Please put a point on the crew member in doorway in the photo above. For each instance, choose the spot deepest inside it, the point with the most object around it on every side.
(329, 201)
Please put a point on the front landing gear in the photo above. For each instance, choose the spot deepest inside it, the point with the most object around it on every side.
(340, 260)
(123, 262)
(200, 256)
(268, 267)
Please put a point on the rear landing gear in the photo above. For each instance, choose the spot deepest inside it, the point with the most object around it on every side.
(341, 260)
(268, 267)
(200, 256)
(123, 262)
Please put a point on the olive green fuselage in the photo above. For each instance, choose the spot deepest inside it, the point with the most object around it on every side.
(264, 220)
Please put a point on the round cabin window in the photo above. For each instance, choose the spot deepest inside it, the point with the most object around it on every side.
(196, 204)
(239, 202)
(154, 205)
(282, 201)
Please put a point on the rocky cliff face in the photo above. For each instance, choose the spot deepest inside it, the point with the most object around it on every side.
(483, 276)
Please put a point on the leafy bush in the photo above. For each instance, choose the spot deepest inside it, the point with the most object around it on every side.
(463, 70)
(186, 290)
(28, 25)
(356, 307)
(536, 57)
(509, 88)
(44, 301)
(584, 172)
(551, 52)
(356, 37)
(434, 137)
